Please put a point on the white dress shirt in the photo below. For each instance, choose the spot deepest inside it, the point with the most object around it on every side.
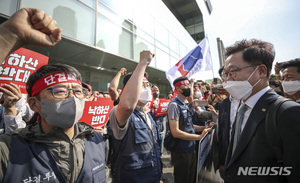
(251, 103)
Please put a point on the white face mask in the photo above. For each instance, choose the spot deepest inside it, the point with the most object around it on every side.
(146, 95)
(198, 95)
(240, 90)
(291, 87)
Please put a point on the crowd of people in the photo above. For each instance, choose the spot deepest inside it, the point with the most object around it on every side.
(43, 140)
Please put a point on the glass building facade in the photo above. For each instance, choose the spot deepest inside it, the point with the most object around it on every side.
(116, 27)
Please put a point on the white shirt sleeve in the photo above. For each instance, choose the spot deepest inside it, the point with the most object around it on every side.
(13, 122)
(27, 113)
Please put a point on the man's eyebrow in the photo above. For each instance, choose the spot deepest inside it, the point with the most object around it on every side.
(231, 67)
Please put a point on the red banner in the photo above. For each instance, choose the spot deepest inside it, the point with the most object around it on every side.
(149, 105)
(19, 65)
(162, 109)
(98, 97)
(96, 113)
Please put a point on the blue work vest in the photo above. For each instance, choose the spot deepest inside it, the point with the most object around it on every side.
(30, 162)
(186, 125)
(137, 155)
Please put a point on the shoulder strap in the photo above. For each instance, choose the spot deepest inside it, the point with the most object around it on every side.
(272, 132)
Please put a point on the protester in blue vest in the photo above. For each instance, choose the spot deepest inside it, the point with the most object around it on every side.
(180, 112)
(136, 153)
(56, 148)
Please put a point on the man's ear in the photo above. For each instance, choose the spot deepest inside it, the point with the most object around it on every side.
(263, 71)
(34, 104)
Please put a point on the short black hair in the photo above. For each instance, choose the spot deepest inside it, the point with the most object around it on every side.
(255, 52)
(220, 71)
(146, 74)
(127, 77)
(291, 63)
(86, 86)
(275, 83)
(181, 78)
(48, 69)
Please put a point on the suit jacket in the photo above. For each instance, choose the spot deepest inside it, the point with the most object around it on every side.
(253, 149)
(223, 131)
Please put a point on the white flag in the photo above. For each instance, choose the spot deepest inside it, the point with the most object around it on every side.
(196, 60)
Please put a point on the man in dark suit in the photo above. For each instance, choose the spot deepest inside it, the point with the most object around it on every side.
(223, 133)
(250, 158)
(227, 112)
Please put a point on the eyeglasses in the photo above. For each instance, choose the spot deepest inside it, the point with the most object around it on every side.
(232, 72)
(62, 92)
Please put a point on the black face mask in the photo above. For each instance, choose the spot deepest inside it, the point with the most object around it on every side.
(155, 95)
(186, 92)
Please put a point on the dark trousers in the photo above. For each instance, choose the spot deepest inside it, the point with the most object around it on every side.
(184, 167)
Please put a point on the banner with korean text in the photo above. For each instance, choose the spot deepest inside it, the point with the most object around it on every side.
(19, 65)
(149, 105)
(162, 109)
(96, 113)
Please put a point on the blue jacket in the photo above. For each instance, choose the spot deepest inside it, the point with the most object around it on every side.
(30, 161)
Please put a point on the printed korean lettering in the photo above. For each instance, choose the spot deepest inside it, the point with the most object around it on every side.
(49, 80)
(96, 120)
(5, 71)
(19, 65)
(91, 110)
(102, 110)
(48, 176)
(96, 113)
(30, 61)
(27, 180)
(164, 104)
(164, 109)
(14, 59)
(98, 110)
(61, 77)
(25, 73)
(37, 179)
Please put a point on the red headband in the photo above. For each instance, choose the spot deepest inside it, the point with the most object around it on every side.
(183, 82)
(52, 79)
(196, 88)
(145, 79)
